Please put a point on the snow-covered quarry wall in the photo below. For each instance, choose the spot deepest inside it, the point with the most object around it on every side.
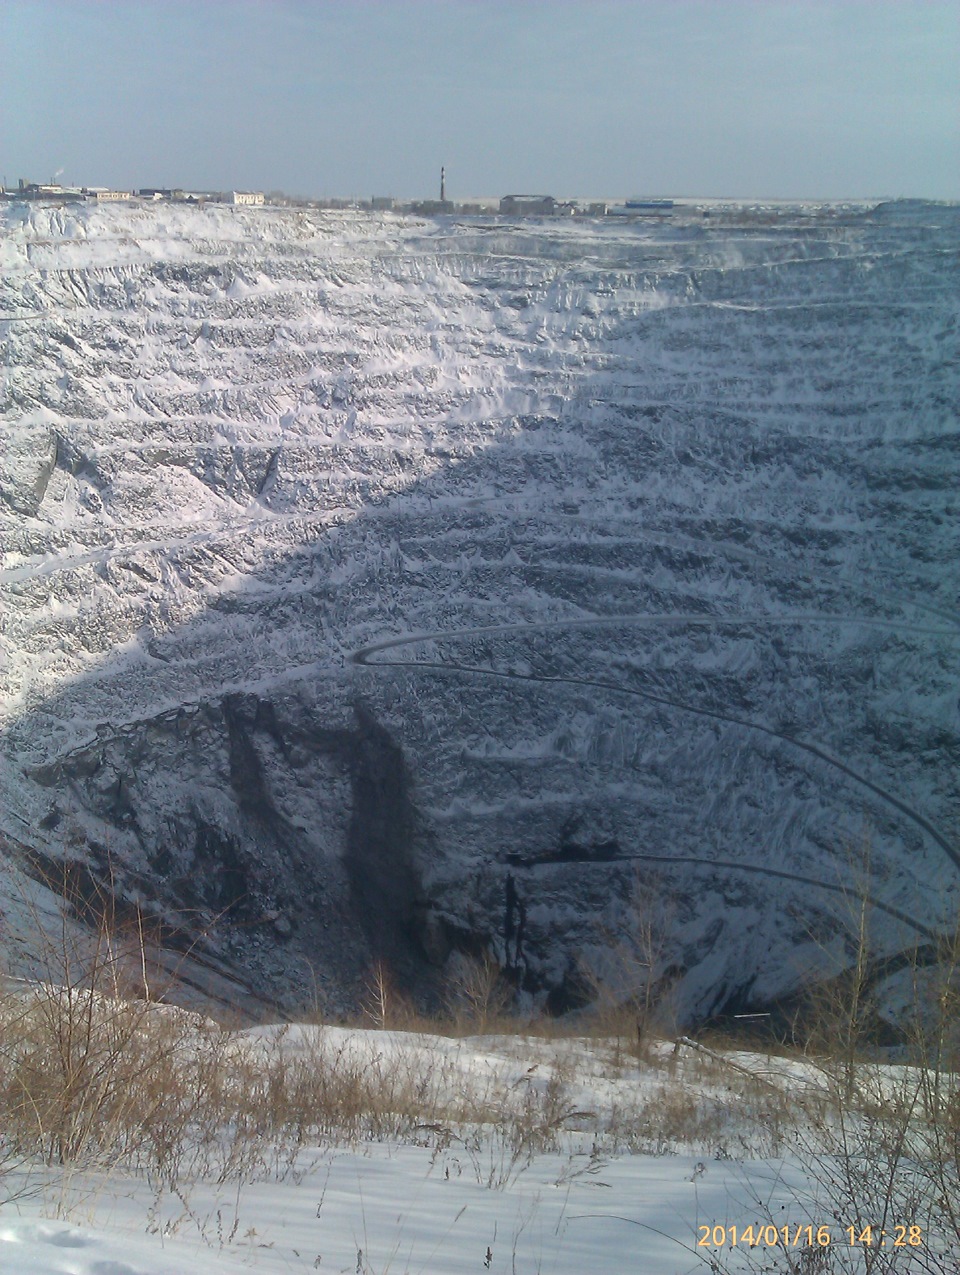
(386, 588)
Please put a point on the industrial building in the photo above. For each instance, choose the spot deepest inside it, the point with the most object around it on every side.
(103, 195)
(528, 206)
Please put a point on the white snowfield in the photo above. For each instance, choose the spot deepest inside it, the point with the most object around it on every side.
(449, 584)
(456, 1206)
(388, 1210)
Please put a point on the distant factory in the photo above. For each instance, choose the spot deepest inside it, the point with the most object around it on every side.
(513, 206)
(52, 192)
(547, 206)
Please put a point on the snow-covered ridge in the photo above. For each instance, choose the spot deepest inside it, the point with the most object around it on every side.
(670, 511)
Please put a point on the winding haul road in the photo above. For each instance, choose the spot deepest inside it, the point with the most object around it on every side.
(364, 657)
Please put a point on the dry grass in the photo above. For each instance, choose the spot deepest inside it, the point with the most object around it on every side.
(88, 1079)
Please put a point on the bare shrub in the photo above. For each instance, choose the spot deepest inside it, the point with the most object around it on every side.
(881, 1151)
(477, 993)
(83, 1056)
(384, 1005)
(629, 977)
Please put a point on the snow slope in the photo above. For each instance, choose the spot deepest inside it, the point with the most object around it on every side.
(443, 1205)
(442, 1201)
(374, 586)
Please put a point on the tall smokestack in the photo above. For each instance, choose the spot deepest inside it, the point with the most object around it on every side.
(443, 185)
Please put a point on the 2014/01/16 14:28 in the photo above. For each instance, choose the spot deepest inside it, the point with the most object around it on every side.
(807, 1236)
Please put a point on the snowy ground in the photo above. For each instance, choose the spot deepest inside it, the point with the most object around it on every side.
(392, 1208)
(455, 1205)
(683, 1160)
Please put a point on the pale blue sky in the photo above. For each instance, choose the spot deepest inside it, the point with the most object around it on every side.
(749, 98)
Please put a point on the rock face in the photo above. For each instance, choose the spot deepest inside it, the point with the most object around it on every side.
(379, 589)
